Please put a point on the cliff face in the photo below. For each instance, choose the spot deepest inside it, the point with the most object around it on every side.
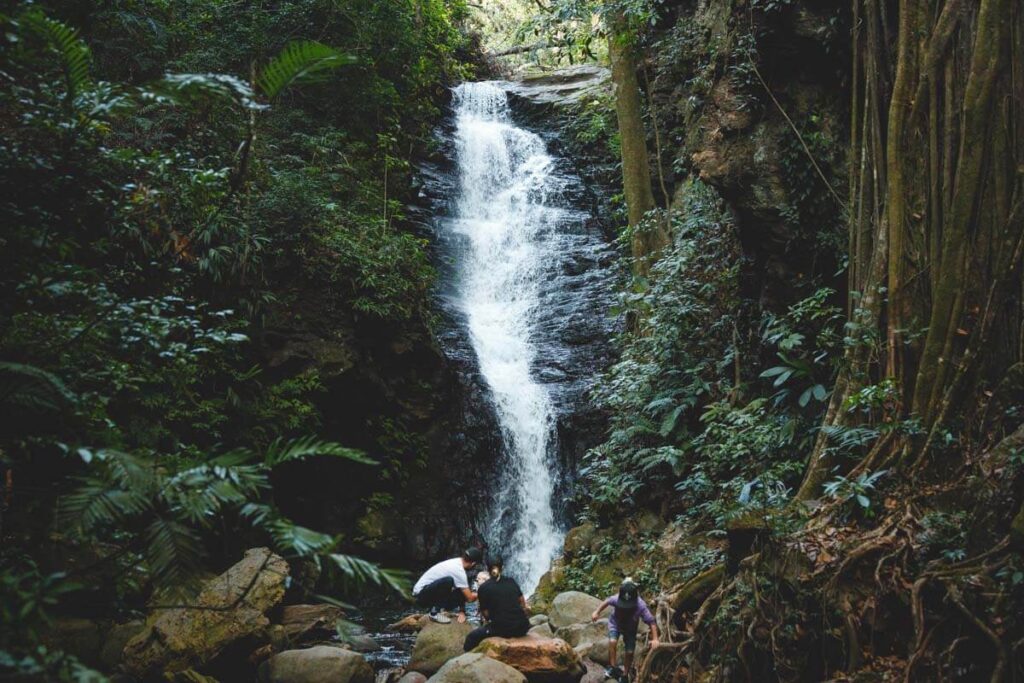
(752, 99)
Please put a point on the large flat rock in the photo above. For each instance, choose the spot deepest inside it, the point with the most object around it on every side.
(541, 660)
(560, 87)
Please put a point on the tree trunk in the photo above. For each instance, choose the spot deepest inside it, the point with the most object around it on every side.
(636, 169)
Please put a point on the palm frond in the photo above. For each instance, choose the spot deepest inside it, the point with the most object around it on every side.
(75, 55)
(281, 451)
(304, 61)
(359, 573)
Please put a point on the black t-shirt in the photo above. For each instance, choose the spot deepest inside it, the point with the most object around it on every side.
(500, 599)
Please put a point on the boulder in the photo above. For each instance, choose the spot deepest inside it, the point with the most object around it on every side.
(318, 664)
(82, 638)
(538, 619)
(584, 634)
(306, 622)
(117, 637)
(571, 607)
(548, 587)
(413, 677)
(541, 660)
(578, 540)
(436, 644)
(595, 673)
(476, 668)
(229, 608)
(596, 651)
(413, 623)
(360, 642)
(542, 631)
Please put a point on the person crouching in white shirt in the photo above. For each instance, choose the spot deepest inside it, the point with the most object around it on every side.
(445, 586)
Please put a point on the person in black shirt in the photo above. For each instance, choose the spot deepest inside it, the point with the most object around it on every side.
(502, 606)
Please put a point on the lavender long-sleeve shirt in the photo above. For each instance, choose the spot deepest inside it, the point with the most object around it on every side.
(628, 619)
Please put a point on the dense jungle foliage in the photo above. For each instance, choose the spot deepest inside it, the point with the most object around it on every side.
(172, 176)
(819, 397)
(814, 461)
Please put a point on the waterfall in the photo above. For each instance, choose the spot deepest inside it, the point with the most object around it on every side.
(503, 214)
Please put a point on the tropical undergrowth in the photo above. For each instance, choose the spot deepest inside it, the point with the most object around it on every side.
(171, 177)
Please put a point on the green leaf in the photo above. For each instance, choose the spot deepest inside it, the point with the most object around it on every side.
(805, 397)
(190, 88)
(281, 451)
(301, 62)
(863, 500)
(74, 53)
(360, 573)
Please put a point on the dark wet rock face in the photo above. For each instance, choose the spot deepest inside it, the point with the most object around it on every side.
(572, 326)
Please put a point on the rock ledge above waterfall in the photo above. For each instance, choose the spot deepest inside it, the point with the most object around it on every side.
(561, 87)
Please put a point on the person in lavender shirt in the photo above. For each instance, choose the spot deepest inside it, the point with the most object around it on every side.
(628, 608)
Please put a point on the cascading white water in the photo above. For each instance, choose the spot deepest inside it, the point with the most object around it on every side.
(502, 212)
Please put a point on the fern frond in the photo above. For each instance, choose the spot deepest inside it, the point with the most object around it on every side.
(76, 58)
(295, 540)
(130, 472)
(28, 388)
(359, 573)
(200, 493)
(172, 551)
(305, 61)
(281, 451)
(97, 503)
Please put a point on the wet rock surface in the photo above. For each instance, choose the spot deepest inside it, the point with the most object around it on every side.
(230, 608)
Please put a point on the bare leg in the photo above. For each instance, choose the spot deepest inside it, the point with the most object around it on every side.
(612, 644)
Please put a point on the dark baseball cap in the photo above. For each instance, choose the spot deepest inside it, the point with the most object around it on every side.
(629, 595)
(473, 555)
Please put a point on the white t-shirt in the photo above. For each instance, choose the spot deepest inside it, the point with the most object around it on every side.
(452, 568)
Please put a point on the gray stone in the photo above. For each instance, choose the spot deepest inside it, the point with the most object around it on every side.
(319, 664)
(538, 619)
(413, 677)
(436, 644)
(476, 668)
(564, 86)
(571, 607)
(584, 634)
(542, 631)
(361, 642)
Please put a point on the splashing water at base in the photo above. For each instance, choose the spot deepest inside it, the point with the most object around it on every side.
(502, 213)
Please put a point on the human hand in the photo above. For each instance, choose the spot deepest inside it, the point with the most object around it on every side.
(594, 616)
(461, 618)
(655, 642)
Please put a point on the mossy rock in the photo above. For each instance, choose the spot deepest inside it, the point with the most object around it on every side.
(550, 585)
